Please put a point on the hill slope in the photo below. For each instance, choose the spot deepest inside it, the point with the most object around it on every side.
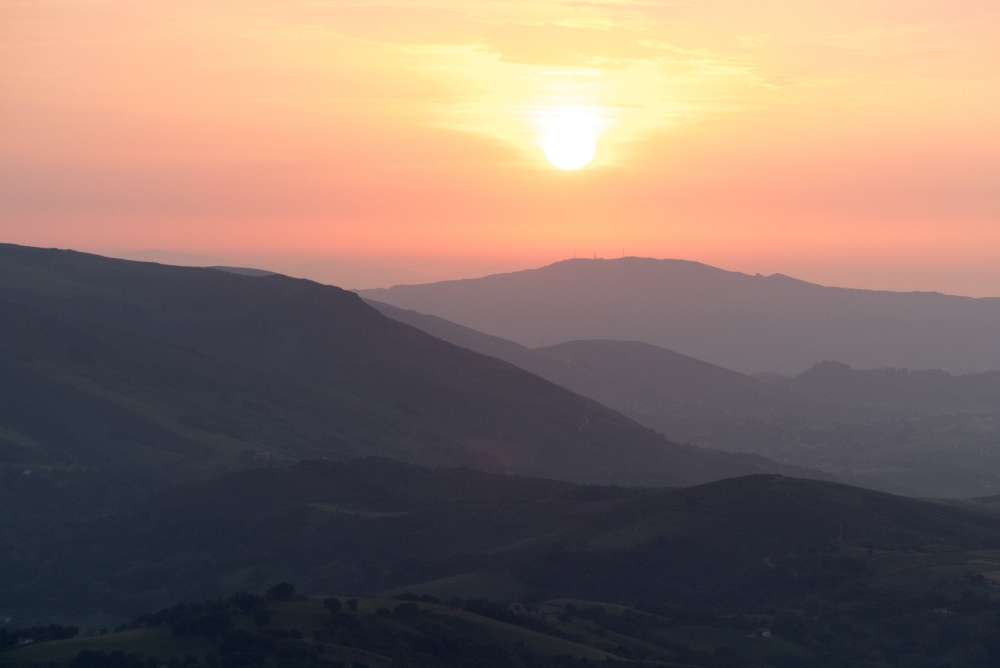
(369, 525)
(634, 378)
(226, 368)
(919, 433)
(742, 322)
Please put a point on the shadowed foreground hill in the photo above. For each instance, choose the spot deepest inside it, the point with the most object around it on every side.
(742, 322)
(115, 361)
(374, 524)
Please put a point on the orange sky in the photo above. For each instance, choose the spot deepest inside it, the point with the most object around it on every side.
(852, 143)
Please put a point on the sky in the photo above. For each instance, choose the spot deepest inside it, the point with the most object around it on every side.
(851, 143)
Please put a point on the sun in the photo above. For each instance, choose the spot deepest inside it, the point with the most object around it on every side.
(569, 146)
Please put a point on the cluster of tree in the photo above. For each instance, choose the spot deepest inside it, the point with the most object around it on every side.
(408, 635)
(214, 618)
(13, 637)
(854, 626)
(234, 647)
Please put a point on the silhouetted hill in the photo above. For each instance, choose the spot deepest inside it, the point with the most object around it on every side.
(638, 379)
(466, 337)
(920, 433)
(79, 395)
(932, 391)
(651, 380)
(738, 321)
(375, 524)
(118, 361)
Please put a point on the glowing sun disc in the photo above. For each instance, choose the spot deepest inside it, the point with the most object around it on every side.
(569, 148)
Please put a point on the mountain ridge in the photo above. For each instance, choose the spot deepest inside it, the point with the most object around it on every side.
(916, 433)
(608, 364)
(735, 320)
(367, 384)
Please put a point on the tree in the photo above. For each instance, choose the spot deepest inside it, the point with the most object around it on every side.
(283, 591)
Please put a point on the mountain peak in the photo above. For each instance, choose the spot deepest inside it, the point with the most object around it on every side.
(739, 321)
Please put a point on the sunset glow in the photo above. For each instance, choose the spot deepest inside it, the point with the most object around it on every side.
(851, 143)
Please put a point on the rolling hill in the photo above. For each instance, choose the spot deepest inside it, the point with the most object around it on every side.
(742, 322)
(919, 433)
(925, 391)
(646, 382)
(113, 362)
(371, 525)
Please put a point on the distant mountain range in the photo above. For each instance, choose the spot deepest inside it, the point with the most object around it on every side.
(635, 378)
(146, 367)
(922, 433)
(933, 390)
(642, 379)
(747, 323)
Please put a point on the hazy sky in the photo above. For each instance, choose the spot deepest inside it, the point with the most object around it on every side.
(854, 142)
